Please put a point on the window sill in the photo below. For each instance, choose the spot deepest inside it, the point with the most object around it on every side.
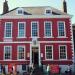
(34, 37)
(7, 59)
(21, 37)
(62, 59)
(48, 59)
(48, 37)
(7, 37)
(62, 37)
(21, 60)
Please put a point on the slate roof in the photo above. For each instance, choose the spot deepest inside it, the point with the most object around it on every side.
(39, 10)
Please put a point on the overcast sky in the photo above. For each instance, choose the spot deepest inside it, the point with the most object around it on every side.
(54, 3)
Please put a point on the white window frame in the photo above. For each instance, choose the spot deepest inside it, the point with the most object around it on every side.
(5, 30)
(37, 29)
(10, 53)
(44, 29)
(18, 52)
(66, 52)
(64, 29)
(45, 52)
(24, 30)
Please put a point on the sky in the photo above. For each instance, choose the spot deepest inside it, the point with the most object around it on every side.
(53, 3)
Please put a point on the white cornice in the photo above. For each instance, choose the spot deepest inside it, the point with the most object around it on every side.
(34, 16)
(38, 42)
(58, 60)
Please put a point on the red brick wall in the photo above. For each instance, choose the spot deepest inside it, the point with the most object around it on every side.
(41, 35)
(41, 29)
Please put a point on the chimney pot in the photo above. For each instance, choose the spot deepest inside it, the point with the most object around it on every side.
(64, 6)
(5, 7)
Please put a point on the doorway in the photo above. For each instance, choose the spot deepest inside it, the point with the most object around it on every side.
(35, 56)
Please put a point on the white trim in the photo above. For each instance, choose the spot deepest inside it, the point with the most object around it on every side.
(24, 30)
(39, 55)
(18, 52)
(66, 52)
(34, 16)
(29, 60)
(10, 53)
(15, 60)
(64, 29)
(38, 42)
(48, 37)
(30, 54)
(21, 37)
(37, 29)
(57, 60)
(5, 29)
(73, 57)
(62, 37)
(51, 29)
(45, 53)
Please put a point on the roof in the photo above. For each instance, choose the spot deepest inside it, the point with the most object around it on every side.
(39, 10)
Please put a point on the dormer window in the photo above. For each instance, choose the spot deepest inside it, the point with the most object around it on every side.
(48, 11)
(20, 11)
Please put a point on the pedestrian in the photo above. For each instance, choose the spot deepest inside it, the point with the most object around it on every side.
(42, 67)
(69, 70)
(32, 69)
(59, 70)
(48, 69)
(3, 70)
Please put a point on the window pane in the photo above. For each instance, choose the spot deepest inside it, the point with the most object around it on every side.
(8, 30)
(47, 29)
(21, 30)
(62, 52)
(7, 52)
(34, 29)
(48, 52)
(61, 29)
(21, 52)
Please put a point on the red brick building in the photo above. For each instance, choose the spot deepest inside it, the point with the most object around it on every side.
(35, 35)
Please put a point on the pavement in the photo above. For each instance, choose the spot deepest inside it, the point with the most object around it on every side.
(39, 74)
(50, 74)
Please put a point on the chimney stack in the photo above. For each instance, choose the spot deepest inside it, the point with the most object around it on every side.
(5, 7)
(65, 6)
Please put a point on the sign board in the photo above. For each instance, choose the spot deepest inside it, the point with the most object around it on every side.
(10, 67)
(28, 54)
(54, 68)
(41, 54)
